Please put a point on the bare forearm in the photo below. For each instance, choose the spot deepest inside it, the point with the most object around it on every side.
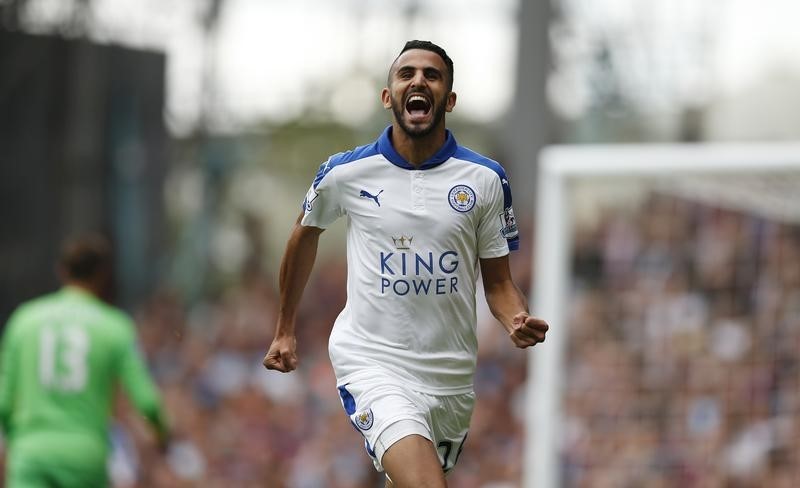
(509, 305)
(296, 266)
(298, 260)
(505, 301)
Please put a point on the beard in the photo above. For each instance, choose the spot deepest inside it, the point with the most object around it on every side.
(399, 109)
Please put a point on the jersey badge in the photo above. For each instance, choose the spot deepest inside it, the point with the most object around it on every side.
(364, 419)
(461, 198)
(509, 223)
(308, 203)
(366, 194)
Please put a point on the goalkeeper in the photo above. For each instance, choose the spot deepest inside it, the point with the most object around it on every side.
(61, 359)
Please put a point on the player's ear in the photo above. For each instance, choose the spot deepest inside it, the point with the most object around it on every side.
(451, 101)
(386, 98)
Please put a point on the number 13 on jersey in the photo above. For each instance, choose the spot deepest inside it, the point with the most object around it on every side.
(63, 354)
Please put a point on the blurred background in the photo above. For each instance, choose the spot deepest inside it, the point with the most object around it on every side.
(189, 130)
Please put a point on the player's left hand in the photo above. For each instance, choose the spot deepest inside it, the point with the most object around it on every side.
(528, 331)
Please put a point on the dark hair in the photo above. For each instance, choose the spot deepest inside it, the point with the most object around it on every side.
(85, 257)
(429, 46)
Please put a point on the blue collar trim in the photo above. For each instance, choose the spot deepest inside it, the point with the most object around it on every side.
(443, 154)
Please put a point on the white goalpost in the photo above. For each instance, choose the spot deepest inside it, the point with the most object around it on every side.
(758, 178)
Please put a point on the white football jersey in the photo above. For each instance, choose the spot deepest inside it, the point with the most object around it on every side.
(414, 237)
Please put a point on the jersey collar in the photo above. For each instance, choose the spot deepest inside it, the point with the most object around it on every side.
(77, 291)
(443, 154)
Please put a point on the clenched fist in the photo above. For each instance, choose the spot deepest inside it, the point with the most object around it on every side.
(527, 331)
(282, 355)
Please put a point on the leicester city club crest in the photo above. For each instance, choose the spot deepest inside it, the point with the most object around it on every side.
(363, 419)
(461, 198)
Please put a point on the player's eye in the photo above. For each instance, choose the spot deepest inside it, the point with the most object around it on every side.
(432, 74)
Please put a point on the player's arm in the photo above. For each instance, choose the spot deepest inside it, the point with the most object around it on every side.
(508, 304)
(6, 386)
(141, 389)
(8, 366)
(296, 265)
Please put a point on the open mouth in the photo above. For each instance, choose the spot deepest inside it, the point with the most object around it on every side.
(418, 106)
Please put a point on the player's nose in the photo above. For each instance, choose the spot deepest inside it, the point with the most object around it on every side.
(418, 79)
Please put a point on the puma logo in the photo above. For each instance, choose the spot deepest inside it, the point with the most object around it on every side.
(366, 194)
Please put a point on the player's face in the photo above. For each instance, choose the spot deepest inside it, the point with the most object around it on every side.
(418, 92)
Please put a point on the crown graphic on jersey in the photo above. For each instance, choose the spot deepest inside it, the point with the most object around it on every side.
(403, 242)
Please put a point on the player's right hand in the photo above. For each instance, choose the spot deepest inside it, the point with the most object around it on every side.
(281, 355)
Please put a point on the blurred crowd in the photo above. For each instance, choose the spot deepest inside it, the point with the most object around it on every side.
(682, 366)
(682, 370)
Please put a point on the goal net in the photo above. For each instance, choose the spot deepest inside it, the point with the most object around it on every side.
(670, 276)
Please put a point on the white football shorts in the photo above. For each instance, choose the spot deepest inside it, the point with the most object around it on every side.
(384, 410)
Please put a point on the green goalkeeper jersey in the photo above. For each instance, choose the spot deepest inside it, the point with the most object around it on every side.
(62, 357)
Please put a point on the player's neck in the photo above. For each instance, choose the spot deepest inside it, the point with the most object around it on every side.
(417, 150)
(84, 286)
